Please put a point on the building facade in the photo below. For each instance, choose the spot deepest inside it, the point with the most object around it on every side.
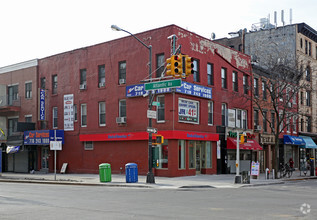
(96, 96)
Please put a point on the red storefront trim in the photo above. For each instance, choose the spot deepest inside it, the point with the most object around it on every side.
(249, 145)
(132, 136)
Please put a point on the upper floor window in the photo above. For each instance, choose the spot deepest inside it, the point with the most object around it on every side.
(256, 118)
(55, 117)
(309, 49)
(83, 111)
(265, 121)
(235, 81)
(294, 123)
(13, 93)
(43, 82)
(308, 124)
(160, 61)
(210, 73)
(307, 73)
(264, 90)
(102, 113)
(196, 71)
(273, 121)
(28, 118)
(28, 90)
(12, 126)
(308, 98)
(161, 109)
(83, 78)
(122, 108)
(75, 113)
(210, 113)
(54, 84)
(224, 114)
(306, 47)
(245, 84)
(223, 78)
(256, 87)
(122, 72)
(101, 76)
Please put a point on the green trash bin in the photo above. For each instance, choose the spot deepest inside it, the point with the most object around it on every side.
(105, 172)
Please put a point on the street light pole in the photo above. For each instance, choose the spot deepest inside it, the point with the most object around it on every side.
(150, 176)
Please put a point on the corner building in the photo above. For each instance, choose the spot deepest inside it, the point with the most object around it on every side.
(96, 95)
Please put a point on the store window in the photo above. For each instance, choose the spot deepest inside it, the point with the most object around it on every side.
(191, 155)
(208, 155)
(161, 155)
(181, 154)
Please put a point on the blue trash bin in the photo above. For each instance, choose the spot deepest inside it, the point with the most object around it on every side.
(131, 172)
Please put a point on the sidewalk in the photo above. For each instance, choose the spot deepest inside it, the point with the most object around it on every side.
(119, 180)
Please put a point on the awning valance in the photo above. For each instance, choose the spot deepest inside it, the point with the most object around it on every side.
(249, 145)
(293, 140)
(309, 143)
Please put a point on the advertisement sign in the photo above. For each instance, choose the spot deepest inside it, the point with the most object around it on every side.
(188, 111)
(255, 168)
(42, 105)
(186, 88)
(42, 137)
(69, 112)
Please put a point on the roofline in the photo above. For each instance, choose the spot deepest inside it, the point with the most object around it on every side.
(19, 66)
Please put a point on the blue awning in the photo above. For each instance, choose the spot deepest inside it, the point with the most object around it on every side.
(309, 143)
(293, 140)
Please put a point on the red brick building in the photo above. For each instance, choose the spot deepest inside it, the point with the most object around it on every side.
(96, 96)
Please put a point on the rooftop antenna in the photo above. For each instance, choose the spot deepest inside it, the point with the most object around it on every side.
(282, 17)
(290, 15)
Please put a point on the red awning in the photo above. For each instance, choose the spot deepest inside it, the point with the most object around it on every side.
(249, 145)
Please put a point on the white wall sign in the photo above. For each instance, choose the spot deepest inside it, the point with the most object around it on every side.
(55, 145)
(188, 111)
(69, 112)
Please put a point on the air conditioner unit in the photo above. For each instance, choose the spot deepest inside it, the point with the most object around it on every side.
(82, 86)
(102, 84)
(121, 120)
(258, 127)
(121, 81)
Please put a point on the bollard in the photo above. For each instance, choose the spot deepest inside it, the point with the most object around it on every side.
(273, 174)
(267, 173)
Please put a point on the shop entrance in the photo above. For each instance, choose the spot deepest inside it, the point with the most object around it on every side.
(199, 156)
(44, 160)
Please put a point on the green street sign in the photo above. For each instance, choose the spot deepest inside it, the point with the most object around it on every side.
(163, 84)
(156, 103)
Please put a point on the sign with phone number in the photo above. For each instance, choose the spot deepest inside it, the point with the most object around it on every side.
(188, 111)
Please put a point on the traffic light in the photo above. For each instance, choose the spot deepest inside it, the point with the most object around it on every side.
(241, 138)
(189, 65)
(174, 66)
(169, 66)
(177, 67)
(158, 139)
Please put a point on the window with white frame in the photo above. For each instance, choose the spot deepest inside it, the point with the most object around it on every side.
(28, 118)
(245, 84)
(264, 94)
(122, 72)
(75, 113)
(239, 118)
(89, 145)
(102, 113)
(224, 114)
(83, 115)
(288, 124)
(12, 126)
(210, 113)
(54, 84)
(210, 73)
(55, 117)
(28, 90)
(122, 108)
(256, 87)
(161, 108)
(265, 121)
(294, 123)
(101, 76)
(196, 71)
(223, 78)
(235, 81)
(82, 73)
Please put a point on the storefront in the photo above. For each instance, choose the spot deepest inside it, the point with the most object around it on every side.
(38, 142)
(291, 149)
(307, 152)
(267, 142)
(248, 153)
(183, 153)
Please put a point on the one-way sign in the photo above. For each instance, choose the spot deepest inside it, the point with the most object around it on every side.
(151, 130)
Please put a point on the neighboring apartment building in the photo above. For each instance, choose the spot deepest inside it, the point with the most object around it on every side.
(18, 103)
(296, 45)
(95, 95)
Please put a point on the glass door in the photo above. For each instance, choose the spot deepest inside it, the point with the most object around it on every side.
(45, 157)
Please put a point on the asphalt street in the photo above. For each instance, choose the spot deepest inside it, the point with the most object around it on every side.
(292, 200)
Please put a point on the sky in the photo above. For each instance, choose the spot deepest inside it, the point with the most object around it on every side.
(33, 29)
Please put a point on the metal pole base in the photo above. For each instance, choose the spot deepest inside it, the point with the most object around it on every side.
(150, 178)
(238, 179)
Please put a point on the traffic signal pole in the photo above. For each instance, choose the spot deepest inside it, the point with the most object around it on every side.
(238, 176)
